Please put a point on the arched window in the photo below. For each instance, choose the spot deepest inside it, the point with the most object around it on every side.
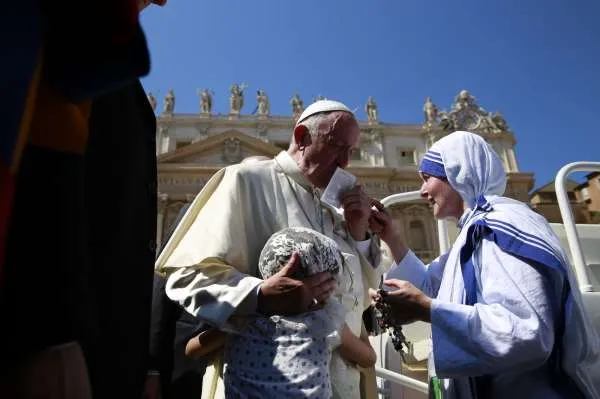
(417, 236)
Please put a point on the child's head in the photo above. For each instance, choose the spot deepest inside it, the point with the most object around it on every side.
(318, 253)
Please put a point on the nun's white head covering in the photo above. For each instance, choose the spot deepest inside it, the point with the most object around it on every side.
(469, 164)
(322, 106)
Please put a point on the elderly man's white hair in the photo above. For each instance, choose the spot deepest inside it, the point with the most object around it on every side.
(318, 253)
(313, 122)
(314, 114)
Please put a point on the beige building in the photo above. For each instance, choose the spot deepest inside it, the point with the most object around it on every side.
(544, 201)
(589, 193)
(191, 147)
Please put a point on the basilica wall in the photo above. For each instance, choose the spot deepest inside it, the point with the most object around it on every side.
(192, 147)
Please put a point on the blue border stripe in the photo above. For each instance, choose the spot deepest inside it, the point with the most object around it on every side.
(510, 226)
(522, 249)
(432, 168)
(526, 236)
(513, 244)
(433, 157)
(534, 253)
(516, 238)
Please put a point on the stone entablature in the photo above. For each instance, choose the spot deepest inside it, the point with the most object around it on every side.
(192, 147)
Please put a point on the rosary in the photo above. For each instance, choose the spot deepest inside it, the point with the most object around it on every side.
(385, 321)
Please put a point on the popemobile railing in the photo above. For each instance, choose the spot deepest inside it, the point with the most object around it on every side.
(564, 204)
(444, 244)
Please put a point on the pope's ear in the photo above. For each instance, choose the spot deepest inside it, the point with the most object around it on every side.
(302, 136)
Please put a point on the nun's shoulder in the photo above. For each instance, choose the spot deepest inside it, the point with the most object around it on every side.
(516, 213)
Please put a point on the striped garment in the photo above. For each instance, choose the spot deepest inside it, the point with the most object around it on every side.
(48, 87)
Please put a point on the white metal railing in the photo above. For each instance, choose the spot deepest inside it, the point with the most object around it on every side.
(442, 227)
(401, 379)
(384, 373)
(401, 197)
(566, 212)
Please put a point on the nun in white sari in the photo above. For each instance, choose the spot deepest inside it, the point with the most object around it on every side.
(506, 313)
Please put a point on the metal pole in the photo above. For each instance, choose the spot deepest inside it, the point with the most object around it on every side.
(443, 239)
(401, 197)
(569, 221)
(402, 379)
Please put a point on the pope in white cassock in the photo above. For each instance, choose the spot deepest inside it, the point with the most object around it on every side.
(506, 314)
(212, 257)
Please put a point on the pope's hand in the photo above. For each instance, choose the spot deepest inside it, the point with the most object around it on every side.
(357, 210)
(284, 295)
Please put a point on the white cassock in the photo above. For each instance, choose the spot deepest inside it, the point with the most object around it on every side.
(213, 256)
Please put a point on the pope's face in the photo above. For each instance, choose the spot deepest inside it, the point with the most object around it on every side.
(332, 148)
(445, 200)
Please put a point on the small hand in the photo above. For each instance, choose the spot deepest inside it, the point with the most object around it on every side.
(407, 302)
(357, 210)
(284, 295)
(373, 294)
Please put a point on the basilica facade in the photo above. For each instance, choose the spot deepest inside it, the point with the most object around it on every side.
(192, 147)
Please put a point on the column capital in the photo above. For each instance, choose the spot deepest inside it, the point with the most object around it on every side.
(163, 199)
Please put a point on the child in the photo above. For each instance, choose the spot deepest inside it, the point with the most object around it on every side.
(289, 356)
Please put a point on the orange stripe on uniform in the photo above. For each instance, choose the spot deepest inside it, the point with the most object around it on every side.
(59, 124)
(28, 111)
(8, 169)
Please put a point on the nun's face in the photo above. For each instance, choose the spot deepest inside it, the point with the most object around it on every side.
(446, 201)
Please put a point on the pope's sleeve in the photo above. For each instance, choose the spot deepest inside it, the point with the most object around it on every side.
(511, 328)
(211, 276)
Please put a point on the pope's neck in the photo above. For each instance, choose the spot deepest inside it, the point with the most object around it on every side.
(298, 157)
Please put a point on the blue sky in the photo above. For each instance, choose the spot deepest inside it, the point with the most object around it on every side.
(537, 62)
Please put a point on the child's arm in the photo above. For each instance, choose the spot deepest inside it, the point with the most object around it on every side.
(205, 343)
(357, 350)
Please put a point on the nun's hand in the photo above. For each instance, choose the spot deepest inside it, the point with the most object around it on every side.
(390, 232)
(408, 303)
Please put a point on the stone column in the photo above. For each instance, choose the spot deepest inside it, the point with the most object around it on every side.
(160, 219)
(189, 198)
(512, 159)
(505, 160)
(164, 140)
(202, 129)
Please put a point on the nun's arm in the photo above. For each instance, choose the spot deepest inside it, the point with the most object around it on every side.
(425, 278)
(510, 329)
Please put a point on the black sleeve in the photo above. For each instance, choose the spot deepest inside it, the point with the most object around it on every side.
(164, 316)
(162, 327)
